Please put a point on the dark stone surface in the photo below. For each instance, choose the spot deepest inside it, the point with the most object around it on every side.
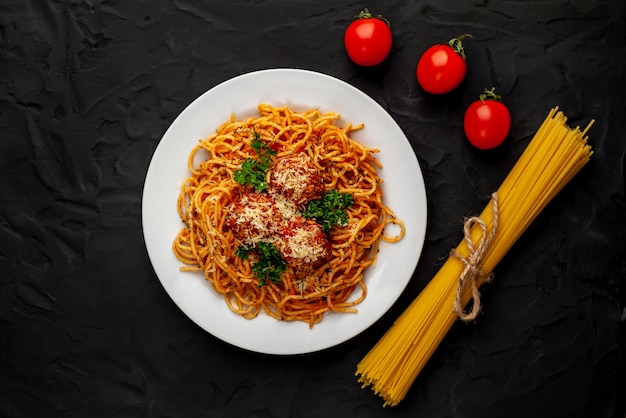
(87, 88)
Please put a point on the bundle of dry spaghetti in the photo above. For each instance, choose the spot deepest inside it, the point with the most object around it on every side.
(554, 155)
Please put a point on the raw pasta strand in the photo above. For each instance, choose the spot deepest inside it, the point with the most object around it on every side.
(554, 155)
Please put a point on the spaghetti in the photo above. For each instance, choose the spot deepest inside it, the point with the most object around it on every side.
(554, 155)
(306, 155)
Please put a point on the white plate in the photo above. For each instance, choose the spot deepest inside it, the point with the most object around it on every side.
(403, 191)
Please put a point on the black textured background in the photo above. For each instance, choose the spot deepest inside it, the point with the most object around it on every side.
(88, 88)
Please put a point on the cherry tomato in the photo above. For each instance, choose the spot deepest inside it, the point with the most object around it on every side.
(368, 39)
(442, 67)
(487, 121)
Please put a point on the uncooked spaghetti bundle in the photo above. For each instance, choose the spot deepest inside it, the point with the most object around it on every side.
(554, 155)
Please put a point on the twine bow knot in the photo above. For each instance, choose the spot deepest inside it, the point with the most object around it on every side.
(472, 263)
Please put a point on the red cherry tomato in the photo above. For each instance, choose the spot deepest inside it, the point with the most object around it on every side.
(368, 39)
(487, 121)
(442, 67)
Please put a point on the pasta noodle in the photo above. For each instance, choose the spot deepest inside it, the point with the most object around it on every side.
(554, 155)
(222, 216)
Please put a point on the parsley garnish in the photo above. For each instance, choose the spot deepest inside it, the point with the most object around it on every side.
(253, 171)
(242, 251)
(330, 209)
(270, 265)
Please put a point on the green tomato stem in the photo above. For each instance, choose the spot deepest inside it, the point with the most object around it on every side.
(457, 45)
(490, 95)
(365, 14)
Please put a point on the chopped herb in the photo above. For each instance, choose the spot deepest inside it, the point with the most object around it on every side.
(330, 209)
(270, 265)
(253, 172)
(243, 251)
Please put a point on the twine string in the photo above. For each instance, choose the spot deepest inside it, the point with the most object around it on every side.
(472, 263)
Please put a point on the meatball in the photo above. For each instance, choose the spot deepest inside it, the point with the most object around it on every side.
(254, 217)
(302, 244)
(297, 179)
